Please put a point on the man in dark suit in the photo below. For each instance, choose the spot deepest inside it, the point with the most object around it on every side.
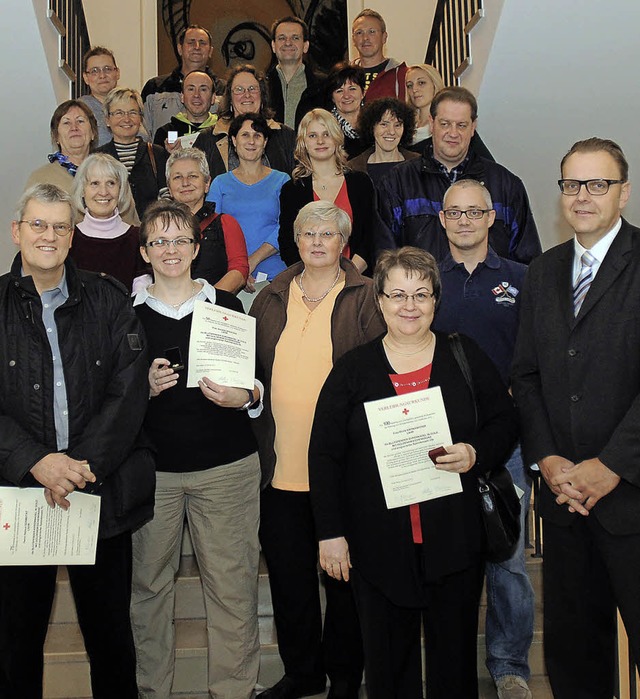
(576, 379)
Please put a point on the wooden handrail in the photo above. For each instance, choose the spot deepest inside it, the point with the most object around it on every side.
(67, 16)
(449, 46)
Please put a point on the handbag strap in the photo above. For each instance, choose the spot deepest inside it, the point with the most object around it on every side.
(152, 158)
(461, 358)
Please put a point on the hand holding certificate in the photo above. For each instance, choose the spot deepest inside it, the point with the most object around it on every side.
(33, 533)
(221, 347)
(403, 431)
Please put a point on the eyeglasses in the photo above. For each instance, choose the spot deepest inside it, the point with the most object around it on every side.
(240, 90)
(596, 187)
(40, 226)
(323, 235)
(471, 214)
(107, 70)
(399, 297)
(359, 33)
(165, 243)
(120, 114)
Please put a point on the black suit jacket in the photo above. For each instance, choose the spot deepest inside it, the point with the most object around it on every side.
(577, 380)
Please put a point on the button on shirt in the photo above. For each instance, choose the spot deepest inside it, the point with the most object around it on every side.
(51, 300)
(483, 305)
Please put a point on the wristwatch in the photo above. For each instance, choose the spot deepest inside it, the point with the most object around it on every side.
(250, 402)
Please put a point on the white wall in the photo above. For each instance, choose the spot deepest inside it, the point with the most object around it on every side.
(558, 72)
(408, 26)
(134, 42)
(32, 85)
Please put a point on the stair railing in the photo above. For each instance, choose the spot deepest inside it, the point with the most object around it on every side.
(449, 48)
(67, 16)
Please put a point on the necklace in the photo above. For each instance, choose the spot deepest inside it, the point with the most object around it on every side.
(194, 291)
(408, 354)
(319, 298)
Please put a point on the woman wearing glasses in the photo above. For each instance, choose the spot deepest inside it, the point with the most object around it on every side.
(311, 314)
(207, 469)
(416, 565)
(246, 93)
(145, 162)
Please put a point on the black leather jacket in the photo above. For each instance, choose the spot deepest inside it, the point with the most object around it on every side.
(105, 362)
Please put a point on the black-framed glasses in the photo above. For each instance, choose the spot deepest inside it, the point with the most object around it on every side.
(399, 297)
(471, 214)
(40, 226)
(167, 242)
(597, 186)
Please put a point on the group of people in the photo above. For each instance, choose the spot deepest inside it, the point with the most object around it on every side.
(363, 223)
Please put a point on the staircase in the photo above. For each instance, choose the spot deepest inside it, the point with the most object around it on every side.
(449, 48)
(66, 674)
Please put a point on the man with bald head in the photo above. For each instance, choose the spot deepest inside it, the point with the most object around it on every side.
(197, 96)
(481, 299)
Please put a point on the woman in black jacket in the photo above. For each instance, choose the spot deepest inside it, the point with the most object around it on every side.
(420, 563)
(321, 173)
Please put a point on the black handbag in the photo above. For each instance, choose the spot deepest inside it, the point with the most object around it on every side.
(499, 502)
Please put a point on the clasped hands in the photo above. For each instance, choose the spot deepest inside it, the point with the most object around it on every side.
(578, 486)
(61, 475)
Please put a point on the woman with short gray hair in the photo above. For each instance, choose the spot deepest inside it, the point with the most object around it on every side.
(102, 241)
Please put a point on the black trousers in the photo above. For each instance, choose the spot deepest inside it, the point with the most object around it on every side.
(287, 536)
(587, 572)
(102, 595)
(391, 636)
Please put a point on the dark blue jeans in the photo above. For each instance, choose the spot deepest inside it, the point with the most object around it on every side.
(510, 598)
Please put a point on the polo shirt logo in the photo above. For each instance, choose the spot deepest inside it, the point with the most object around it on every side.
(505, 293)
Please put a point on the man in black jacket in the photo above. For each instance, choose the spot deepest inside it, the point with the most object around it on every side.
(411, 194)
(576, 380)
(294, 89)
(73, 394)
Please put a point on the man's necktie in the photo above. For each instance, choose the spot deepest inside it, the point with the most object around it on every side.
(583, 282)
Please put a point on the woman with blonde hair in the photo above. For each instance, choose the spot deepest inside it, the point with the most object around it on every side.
(145, 162)
(422, 81)
(321, 173)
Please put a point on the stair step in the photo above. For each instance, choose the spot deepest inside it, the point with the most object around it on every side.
(66, 672)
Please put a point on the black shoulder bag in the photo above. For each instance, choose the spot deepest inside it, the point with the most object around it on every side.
(499, 502)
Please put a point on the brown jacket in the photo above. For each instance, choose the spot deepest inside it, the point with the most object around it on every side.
(355, 319)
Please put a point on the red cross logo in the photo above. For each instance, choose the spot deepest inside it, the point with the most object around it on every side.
(224, 318)
(405, 411)
(6, 526)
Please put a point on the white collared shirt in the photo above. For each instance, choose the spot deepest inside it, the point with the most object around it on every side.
(599, 250)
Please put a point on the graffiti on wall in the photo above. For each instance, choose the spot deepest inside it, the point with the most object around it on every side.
(241, 31)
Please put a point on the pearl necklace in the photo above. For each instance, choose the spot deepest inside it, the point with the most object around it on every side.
(319, 298)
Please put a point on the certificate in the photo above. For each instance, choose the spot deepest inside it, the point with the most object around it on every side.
(222, 346)
(32, 533)
(403, 430)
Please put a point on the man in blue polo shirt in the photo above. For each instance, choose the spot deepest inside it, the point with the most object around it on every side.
(480, 298)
